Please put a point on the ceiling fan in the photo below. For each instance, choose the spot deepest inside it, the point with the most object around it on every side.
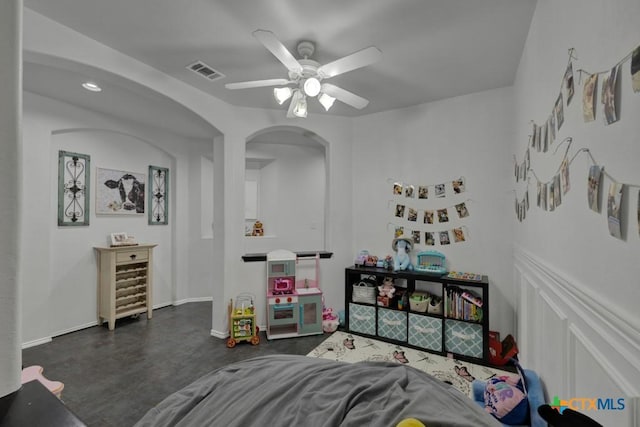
(307, 77)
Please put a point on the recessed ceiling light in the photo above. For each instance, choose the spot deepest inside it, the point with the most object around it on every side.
(93, 87)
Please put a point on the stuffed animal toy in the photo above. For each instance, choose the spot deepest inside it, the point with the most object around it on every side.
(258, 229)
(387, 289)
(402, 245)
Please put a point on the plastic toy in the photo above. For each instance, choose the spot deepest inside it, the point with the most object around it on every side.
(242, 321)
(362, 257)
(402, 246)
(431, 262)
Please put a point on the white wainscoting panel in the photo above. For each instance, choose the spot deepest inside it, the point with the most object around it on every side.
(579, 347)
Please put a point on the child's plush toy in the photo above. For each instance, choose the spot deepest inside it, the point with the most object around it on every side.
(402, 245)
(387, 289)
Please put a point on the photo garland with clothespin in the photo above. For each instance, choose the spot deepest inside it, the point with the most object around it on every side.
(405, 207)
(550, 192)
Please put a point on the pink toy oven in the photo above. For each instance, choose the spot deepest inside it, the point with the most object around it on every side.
(283, 285)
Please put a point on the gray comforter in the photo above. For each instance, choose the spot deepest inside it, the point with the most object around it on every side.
(286, 390)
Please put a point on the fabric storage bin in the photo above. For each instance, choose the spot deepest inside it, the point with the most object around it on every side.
(463, 338)
(362, 319)
(365, 291)
(425, 332)
(392, 324)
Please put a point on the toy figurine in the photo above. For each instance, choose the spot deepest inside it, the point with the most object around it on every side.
(387, 289)
(258, 229)
(402, 245)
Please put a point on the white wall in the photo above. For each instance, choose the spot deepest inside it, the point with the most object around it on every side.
(10, 194)
(291, 197)
(578, 286)
(60, 295)
(436, 143)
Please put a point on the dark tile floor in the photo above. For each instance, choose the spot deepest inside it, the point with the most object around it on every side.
(112, 378)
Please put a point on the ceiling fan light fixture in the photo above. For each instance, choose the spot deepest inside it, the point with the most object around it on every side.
(312, 86)
(281, 94)
(326, 101)
(300, 108)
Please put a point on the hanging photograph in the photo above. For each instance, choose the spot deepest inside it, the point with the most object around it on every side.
(552, 194)
(557, 191)
(593, 187)
(399, 231)
(423, 192)
(119, 192)
(397, 189)
(559, 111)
(158, 195)
(552, 127)
(416, 237)
(73, 188)
(533, 135)
(635, 69)
(428, 217)
(568, 83)
(458, 235)
(461, 208)
(614, 201)
(400, 211)
(543, 197)
(443, 216)
(589, 98)
(609, 96)
(526, 200)
(444, 238)
(539, 195)
(412, 215)
(527, 159)
(564, 176)
(440, 190)
(429, 239)
(408, 191)
(545, 137)
(538, 138)
(458, 185)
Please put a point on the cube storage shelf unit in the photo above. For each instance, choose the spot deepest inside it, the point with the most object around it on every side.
(446, 334)
(124, 282)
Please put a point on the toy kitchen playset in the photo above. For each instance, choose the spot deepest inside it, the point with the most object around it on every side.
(294, 304)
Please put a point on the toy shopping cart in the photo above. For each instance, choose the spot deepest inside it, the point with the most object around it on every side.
(242, 321)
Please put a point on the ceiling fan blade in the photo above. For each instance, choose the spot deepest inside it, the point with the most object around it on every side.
(359, 59)
(257, 83)
(269, 40)
(345, 96)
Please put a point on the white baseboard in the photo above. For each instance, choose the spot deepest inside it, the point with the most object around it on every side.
(218, 334)
(187, 300)
(36, 342)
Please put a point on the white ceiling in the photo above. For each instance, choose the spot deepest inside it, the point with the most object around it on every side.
(431, 49)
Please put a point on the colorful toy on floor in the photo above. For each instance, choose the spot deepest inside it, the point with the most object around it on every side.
(330, 320)
(242, 321)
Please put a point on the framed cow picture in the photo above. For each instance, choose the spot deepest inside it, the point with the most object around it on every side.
(120, 192)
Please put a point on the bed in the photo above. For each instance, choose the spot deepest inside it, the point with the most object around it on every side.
(290, 390)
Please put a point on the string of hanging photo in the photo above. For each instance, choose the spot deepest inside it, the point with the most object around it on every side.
(549, 192)
(406, 199)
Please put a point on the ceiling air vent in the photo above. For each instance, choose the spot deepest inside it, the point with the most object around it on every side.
(205, 71)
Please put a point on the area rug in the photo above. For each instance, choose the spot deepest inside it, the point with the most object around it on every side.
(353, 348)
